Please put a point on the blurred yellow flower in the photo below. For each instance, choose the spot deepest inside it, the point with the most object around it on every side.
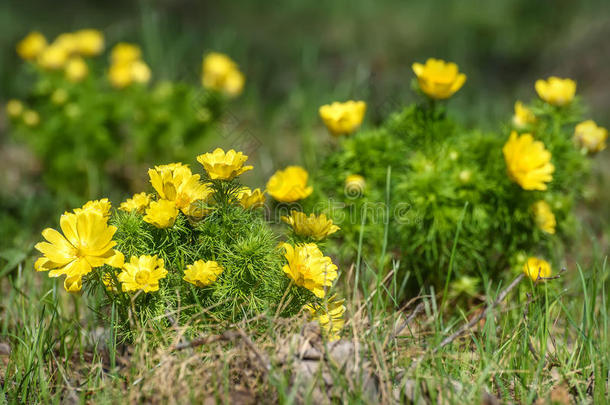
(53, 57)
(86, 243)
(100, 206)
(73, 284)
(140, 72)
(556, 91)
(120, 75)
(523, 116)
(221, 73)
(224, 166)
(138, 203)
(161, 214)
(590, 137)
(537, 269)
(31, 46)
(343, 118)
(142, 273)
(316, 227)
(250, 199)
(202, 273)
(175, 182)
(31, 118)
(289, 185)
(123, 74)
(309, 268)
(329, 315)
(67, 41)
(544, 217)
(90, 42)
(14, 108)
(76, 69)
(439, 79)
(354, 185)
(125, 53)
(527, 161)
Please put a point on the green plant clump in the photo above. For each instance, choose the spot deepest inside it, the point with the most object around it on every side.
(439, 197)
(196, 253)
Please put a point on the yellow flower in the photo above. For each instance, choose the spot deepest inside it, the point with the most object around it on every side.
(329, 315)
(138, 203)
(309, 268)
(590, 137)
(316, 227)
(523, 116)
(527, 161)
(537, 269)
(175, 182)
(67, 41)
(123, 74)
(86, 243)
(73, 284)
(14, 108)
(90, 42)
(31, 118)
(354, 185)
(100, 206)
(439, 79)
(202, 273)
(224, 166)
(140, 72)
(556, 91)
(32, 45)
(76, 69)
(142, 273)
(544, 217)
(161, 214)
(343, 118)
(221, 73)
(120, 75)
(125, 53)
(53, 57)
(250, 199)
(289, 185)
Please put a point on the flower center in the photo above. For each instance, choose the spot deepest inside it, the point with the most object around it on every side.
(142, 277)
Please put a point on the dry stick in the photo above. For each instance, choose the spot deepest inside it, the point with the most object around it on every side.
(530, 346)
(418, 309)
(227, 335)
(480, 316)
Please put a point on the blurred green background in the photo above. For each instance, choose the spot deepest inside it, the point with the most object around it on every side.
(300, 54)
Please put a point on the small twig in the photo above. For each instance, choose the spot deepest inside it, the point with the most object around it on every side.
(530, 346)
(539, 278)
(481, 315)
(418, 309)
(264, 362)
(229, 335)
(201, 341)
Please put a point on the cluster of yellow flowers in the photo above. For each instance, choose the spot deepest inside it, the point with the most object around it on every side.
(87, 240)
(65, 52)
(527, 160)
(220, 73)
(127, 66)
(529, 163)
